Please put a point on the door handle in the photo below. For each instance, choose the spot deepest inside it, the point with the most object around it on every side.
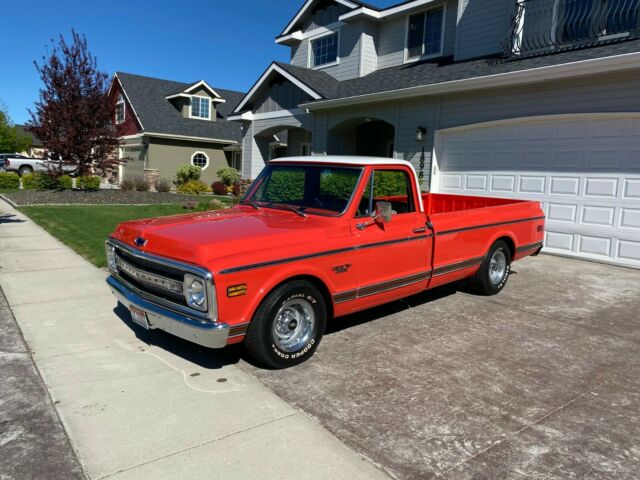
(420, 230)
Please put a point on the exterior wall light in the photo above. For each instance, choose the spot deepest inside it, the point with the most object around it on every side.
(420, 133)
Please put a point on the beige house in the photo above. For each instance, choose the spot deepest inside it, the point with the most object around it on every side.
(164, 124)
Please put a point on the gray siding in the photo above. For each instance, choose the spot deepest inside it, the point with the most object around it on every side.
(482, 27)
(392, 37)
(322, 17)
(297, 137)
(368, 48)
(349, 53)
(280, 96)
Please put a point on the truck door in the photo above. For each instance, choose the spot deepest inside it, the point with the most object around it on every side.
(392, 258)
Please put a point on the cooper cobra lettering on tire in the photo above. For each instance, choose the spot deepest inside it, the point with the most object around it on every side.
(493, 274)
(287, 327)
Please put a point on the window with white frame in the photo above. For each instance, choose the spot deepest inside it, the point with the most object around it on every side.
(425, 33)
(324, 50)
(200, 107)
(120, 110)
(200, 159)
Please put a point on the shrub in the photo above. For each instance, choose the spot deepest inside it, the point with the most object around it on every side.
(65, 182)
(127, 183)
(164, 185)
(32, 181)
(9, 180)
(219, 188)
(141, 184)
(228, 175)
(187, 173)
(193, 187)
(88, 182)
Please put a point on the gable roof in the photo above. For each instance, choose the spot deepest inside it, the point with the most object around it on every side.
(306, 6)
(315, 83)
(156, 114)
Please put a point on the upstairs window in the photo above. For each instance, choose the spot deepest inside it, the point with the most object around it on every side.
(120, 110)
(324, 50)
(424, 34)
(200, 107)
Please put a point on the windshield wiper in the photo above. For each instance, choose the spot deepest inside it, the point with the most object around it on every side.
(292, 208)
(251, 203)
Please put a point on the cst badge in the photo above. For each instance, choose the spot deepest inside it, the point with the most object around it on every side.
(341, 268)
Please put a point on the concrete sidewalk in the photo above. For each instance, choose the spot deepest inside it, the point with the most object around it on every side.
(133, 403)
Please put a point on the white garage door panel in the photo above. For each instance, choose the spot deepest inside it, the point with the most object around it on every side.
(584, 171)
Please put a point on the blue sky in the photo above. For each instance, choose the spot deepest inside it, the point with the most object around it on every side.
(228, 43)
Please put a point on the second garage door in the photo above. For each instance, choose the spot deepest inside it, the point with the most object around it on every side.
(585, 171)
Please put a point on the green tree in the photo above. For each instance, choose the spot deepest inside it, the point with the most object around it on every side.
(11, 138)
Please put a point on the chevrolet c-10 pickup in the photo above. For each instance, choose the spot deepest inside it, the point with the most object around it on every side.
(313, 239)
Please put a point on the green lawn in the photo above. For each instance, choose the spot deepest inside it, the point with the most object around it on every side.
(85, 227)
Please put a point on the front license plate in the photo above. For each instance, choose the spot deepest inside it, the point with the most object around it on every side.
(139, 317)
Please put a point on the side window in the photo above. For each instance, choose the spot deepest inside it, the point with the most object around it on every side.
(389, 186)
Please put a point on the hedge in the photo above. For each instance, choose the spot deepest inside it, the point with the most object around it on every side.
(9, 180)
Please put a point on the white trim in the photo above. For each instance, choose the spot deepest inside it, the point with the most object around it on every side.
(424, 33)
(310, 49)
(627, 61)
(300, 35)
(129, 137)
(121, 101)
(199, 152)
(197, 117)
(115, 76)
(188, 95)
(187, 137)
(306, 7)
(204, 84)
(275, 68)
(385, 13)
(250, 116)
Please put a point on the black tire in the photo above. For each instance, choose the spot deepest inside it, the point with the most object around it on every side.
(25, 170)
(486, 283)
(261, 341)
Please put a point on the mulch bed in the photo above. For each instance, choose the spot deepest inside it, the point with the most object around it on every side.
(99, 197)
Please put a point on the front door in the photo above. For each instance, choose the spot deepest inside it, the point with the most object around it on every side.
(392, 257)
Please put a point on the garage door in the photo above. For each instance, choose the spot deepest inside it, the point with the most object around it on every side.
(584, 170)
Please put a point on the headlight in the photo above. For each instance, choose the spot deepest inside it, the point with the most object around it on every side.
(195, 292)
(111, 258)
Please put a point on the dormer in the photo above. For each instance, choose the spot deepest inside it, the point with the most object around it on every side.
(197, 102)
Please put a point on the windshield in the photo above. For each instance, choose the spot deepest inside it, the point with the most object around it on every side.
(322, 190)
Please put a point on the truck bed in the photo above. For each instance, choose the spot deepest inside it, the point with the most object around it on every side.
(435, 203)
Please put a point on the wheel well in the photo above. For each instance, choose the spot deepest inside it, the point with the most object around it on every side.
(319, 284)
(510, 244)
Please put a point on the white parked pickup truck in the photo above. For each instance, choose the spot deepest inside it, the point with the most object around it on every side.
(15, 162)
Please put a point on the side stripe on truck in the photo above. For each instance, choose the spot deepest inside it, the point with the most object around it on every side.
(376, 288)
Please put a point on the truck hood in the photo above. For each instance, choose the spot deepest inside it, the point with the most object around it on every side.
(201, 238)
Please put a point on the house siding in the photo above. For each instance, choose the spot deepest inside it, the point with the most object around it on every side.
(349, 53)
(130, 126)
(368, 48)
(482, 27)
(166, 155)
(280, 96)
(392, 37)
(321, 17)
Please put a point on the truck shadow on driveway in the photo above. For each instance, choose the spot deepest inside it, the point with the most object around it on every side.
(232, 354)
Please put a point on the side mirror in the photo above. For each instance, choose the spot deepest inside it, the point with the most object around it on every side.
(384, 212)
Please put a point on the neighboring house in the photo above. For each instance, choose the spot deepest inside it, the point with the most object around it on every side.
(36, 149)
(163, 124)
(533, 99)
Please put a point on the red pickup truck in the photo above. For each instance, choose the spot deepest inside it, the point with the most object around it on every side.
(314, 238)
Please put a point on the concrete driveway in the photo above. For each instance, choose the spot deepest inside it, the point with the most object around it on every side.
(540, 381)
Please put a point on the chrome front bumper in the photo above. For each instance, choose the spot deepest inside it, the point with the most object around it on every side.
(205, 333)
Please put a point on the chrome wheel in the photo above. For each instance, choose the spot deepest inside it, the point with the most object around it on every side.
(497, 267)
(293, 325)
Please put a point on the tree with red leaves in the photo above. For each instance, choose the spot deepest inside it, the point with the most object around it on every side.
(73, 116)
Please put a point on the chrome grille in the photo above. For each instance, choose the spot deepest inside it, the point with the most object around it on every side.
(161, 280)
